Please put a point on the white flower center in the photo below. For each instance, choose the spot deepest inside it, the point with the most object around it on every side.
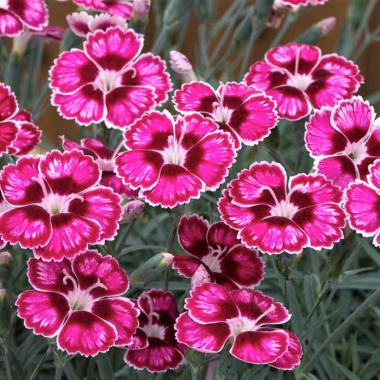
(357, 151)
(300, 81)
(284, 209)
(174, 153)
(4, 4)
(57, 204)
(154, 330)
(106, 165)
(212, 260)
(77, 298)
(107, 80)
(221, 114)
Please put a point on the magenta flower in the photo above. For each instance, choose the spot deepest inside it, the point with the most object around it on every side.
(216, 315)
(79, 302)
(344, 140)
(121, 8)
(361, 202)
(82, 23)
(297, 3)
(247, 114)
(172, 161)
(16, 15)
(217, 249)
(18, 134)
(108, 80)
(154, 346)
(58, 206)
(299, 78)
(105, 158)
(274, 220)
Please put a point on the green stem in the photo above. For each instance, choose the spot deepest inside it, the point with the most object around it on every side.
(39, 365)
(58, 373)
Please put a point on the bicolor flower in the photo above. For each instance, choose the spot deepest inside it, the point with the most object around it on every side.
(58, 206)
(154, 346)
(362, 200)
(121, 8)
(82, 23)
(108, 80)
(18, 134)
(105, 158)
(79, 302)
(273, 219)
(344, 140)
(173, 161)
(17, 15)
(247, 114)
(299, 78)
(217, 249)
(295, 4)
(243, 316)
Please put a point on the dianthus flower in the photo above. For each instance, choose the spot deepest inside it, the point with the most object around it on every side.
(105, 158)
(344, 140)
(154, 346)
(78, 301)
(172, 161)
(362, 200)
(216, 315)
(274, 220)
(295, 4)
(121, 8)
(299, 78)
(82, 23)
(216, 248)
(247, 114)
(16, 15)
(18, 134)
(108, 80)
(58, 208)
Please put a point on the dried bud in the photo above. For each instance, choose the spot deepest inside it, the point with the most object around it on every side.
(3, 295)
(141, 9)
(181, 65)
(132, 210)
(5, 259)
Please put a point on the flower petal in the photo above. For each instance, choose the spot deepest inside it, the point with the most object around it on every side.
(33, 13)
(10, 25)
(222, 236)
(204, 338)
(86, 334)
(44, 312)
(8, 103)
(186, 265)
(8, 133)
(291, 358)
(28, 136)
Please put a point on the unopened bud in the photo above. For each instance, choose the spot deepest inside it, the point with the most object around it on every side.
(151, 269)
(317, 31)
(3, 295)
(141, 9)
(181, 65)
(132, 210)
(326, 25)
(20, 44)
(5, 259)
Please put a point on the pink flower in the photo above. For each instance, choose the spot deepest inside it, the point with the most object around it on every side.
(299, 78)
(216, 314)
(121, 8)
(105, 158)
(274, 220)
(247, 114)
(361, 202)
(16, 15)
(173, 161)
(297, 3)
(108, 80)
(18, 134)
(82, 23)
(79, 302)
(344, 140)
(58, 206)
(217, 249)
(154, 346)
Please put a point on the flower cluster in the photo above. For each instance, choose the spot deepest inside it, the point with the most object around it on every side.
(61, 203)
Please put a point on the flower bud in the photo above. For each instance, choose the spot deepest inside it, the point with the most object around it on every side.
(5, 259)
(3, 295)
(326, 25)
(132, 210)
(181, 65)
(141, 9)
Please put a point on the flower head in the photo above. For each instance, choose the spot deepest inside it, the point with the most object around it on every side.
(344, 140)
(105, 158)
(16, 15)
(172, 161)
(216, 249)
(299, 78)
(247, 114)
(121, 8)
(274, 220)
(57, 206)
(216, 314)
(362, 201)
(18, 134)
(82, 23)
(181, 65)
(108, 80)
(295, 4)
(154, 346)
(79, 302)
